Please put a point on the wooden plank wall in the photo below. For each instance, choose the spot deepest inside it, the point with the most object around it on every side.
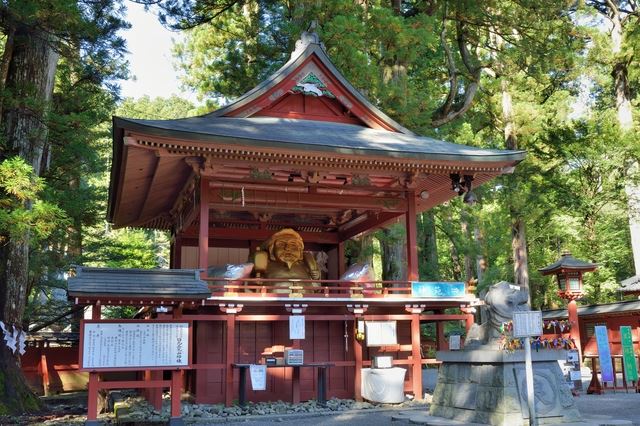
(253, 337)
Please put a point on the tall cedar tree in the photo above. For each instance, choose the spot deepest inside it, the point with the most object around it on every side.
(38, 34)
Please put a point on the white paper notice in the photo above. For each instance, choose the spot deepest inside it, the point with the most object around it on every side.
(381, 333)
(135, 344)
(454, 342)
(296, 327)
(258, 375)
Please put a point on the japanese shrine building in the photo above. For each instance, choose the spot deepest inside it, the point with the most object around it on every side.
(302, 150)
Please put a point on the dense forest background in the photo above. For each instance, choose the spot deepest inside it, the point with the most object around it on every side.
(559, 79)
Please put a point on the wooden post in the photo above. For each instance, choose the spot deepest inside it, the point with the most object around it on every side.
(341, 260)
(295, 385)
(412, 237)
(96, 311)
(176, 392)
(229, 358)
(574, 332)
(203, 236)
(441, 339)
(357, 355)
(92, 403)
(44, 371)
(416, 368)
(176, 252)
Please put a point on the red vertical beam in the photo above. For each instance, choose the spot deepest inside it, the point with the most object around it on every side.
(176, 377)
(416, 367)
(572, 311)
(176, 391)
(412, 237)
(203, 236)
(441, 343)
(341, 263)
(44, 371)
(176, 252)
(92, 403)
(357, 355)
(229, 357)
(96, 311)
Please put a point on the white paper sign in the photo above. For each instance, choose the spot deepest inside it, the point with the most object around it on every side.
(135, 344)
(296, 327)
(454, 342)
(258, 375)
(381, 333)
(527, 323)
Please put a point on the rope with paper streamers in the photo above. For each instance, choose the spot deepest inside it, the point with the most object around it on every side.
(562, 325)
(15, 340)
(510, 344)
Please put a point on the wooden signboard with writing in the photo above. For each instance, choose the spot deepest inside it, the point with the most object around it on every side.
(135, 345)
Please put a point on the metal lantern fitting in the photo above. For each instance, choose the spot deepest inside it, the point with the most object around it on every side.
(568, 271)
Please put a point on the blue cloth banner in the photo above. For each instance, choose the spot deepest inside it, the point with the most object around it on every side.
(437, 289)
(604, 352)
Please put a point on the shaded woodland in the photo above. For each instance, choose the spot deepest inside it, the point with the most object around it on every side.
(559, 79)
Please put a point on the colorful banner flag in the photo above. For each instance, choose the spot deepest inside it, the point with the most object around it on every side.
(628, 355)
(604, 352)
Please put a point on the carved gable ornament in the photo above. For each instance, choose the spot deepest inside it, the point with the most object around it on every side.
(311, 85)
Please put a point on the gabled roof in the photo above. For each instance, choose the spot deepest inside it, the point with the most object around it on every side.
(308, 50)
(174, 284)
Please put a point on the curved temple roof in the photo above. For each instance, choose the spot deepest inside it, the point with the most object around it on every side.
(274, 132)
(306, 121)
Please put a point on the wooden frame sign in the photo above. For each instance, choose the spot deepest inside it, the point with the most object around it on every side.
(135, 345)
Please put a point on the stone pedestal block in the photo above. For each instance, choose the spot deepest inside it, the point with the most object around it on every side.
(487, 386)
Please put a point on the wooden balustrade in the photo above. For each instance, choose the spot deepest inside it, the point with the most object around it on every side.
(264, 287)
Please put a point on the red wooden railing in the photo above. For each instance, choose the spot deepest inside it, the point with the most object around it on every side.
(266, 287)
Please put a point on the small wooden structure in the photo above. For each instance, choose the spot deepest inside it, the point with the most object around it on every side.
(302, 150)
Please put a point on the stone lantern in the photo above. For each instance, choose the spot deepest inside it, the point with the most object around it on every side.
(568, 271)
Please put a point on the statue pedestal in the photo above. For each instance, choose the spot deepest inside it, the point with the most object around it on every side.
(488, 386)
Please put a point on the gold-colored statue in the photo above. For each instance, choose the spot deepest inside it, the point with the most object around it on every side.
(282, 256)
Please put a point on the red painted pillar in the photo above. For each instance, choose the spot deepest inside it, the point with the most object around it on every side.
(572, 311)
(441, 339)
(229, 358)
(176, 253)
(176, 392)
(92, 403)
(412, 237)
(44, 371)
(357, 355)
(341, 260)
(203, 236)
(416, 368)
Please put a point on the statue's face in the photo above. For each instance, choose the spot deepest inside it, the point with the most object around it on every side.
(288, 249)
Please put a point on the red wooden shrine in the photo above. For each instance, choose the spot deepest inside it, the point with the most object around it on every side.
(303, 150)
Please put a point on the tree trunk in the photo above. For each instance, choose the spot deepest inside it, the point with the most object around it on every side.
(518, 234)
(393, 253)
(29, 82)
(624, 113)
(430, 250)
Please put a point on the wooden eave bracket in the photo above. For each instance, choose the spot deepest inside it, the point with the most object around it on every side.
(230, 308)
(357, 309)
(296, 308)
(414, 308)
